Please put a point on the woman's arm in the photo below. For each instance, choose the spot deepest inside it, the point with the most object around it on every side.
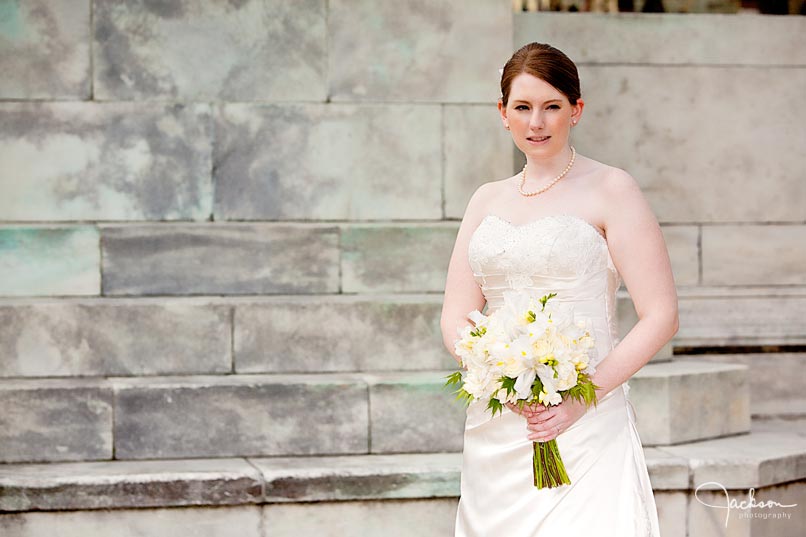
(639, 252)
(462, 293)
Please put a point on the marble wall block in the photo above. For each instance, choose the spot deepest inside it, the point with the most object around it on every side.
(687, 401)
(49, 260)
(55, 420)
(328, 161)
(239, 51)
(241, 521)
(763, 319)
(222, 416)
(754, 255)
(116, 484)
(45, 49)
(682, 243)
(104, 161)
(414, 413)
(477, 150)
(667, 38)
(341, 333)
(397, 259)
(442, 50)
(219, 259)
(427, 517)
(697, 140)
(120, 337)
(704, 520)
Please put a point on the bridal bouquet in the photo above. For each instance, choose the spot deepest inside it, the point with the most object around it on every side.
(528, 351)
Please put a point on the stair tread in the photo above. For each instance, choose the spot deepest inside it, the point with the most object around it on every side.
(741, 461)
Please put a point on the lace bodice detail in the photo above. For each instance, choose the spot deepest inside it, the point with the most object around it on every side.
(559, 253)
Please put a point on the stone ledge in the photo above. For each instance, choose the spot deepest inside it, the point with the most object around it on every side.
(752, 460)
(116, 484)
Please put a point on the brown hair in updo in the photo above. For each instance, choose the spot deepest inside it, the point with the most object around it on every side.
(546, 63)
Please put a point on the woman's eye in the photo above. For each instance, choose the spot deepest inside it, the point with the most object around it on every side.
(555, 106)
(520, 106)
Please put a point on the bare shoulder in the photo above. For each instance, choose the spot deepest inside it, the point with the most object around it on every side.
(487, 193)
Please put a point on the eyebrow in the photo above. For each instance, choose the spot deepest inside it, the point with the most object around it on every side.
(544, 102)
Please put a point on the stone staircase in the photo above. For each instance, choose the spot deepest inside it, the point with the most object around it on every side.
(326, 415)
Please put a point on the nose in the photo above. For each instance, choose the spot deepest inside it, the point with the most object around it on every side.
(536, 121)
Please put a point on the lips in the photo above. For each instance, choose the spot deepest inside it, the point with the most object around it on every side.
(538, 138)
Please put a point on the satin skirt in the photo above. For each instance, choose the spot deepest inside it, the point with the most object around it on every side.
(609, 495)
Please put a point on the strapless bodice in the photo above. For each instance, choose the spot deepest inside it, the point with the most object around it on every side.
(562, 254)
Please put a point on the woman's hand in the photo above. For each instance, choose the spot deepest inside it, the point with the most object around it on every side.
(547, 423)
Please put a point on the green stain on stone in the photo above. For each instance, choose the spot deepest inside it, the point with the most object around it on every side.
(43, 261)
(11, 24)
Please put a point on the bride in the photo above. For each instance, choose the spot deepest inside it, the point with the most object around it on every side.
(572, 225)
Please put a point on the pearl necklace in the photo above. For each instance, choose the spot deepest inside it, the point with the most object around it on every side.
(565, 171)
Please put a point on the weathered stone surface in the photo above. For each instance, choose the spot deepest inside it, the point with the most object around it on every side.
(666, 471)
(55, 420)
(242, 521)
(49, 261)
(100, 485)
(663, 148)
(400, 258)
(259, 415)
(113, 337)
(687, 401)
(772, 375)
(477, 150)
(340, 333)
(388, 518)
(672, 507)
(754, 255)
(682, 244)
(104, 161)
(303, 479)
(760, 316)
(444, 51)
(746, 460)
(261, 50)
(667, 38)
(220, 259)
(708, 515)
(414, 413)
(328, 161)
(45, 49)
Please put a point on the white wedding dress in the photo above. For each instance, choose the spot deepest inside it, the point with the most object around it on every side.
(610, 494)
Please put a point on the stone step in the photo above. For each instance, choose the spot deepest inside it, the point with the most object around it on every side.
(123, 418)
(314, 491)
(685, 400)
(314, 333)
(773, 376)
(780, 415)
(73, 419)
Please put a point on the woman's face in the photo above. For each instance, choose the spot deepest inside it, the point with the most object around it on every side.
(539, 116)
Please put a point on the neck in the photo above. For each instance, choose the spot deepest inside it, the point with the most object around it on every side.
(543, 170)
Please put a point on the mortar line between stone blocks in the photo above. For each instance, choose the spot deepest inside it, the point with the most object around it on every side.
(262, 479)
(699, 254)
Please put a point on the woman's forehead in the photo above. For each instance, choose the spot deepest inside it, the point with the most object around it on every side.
(531, 88)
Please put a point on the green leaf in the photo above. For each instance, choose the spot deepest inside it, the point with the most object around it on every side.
(454, 378)
(495, 406)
